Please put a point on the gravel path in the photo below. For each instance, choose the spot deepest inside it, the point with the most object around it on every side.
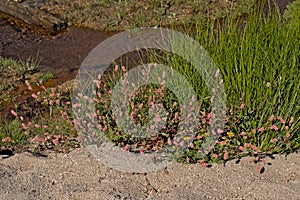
(79, 175)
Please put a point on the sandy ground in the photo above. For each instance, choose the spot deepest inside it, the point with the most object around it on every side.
(79, 175)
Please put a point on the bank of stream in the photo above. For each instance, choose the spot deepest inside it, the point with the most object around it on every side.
(61, 54)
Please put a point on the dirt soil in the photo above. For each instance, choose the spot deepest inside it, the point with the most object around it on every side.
(79, 175)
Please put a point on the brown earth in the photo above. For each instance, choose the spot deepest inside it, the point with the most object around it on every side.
(79, 175)
(61, 54)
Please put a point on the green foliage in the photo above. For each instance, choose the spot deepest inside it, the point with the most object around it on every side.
(259, 60)
(14, 131)
(292, 12)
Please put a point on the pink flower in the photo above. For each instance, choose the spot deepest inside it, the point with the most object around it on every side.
(141, 106)
(192, 145)
(34, 96)
(281, 119)
(57, 136)
(176, 116)
(222, 143)
(243, 133)
(39, 138)
(28, 85)
(212, 99)
(242, 148)
(286, 128)
(274, 140)
(24, 126)
(199, 137)
(116, 68)
(209, 115)
(7, 139)
(193, 98)
(181, 143)
(163, 74)
(14, 113)
(187, 160)
(247, 145)
(215, 155)
(217, 73)
(204, 164)
(55, 141)
(132, 115)
(274, 127)
(123, 69)
(225, 156)
(255, 148)
(291, 120)
(169, 141)
(220, 131)
(261, 129)
(242, 106)
(271, 118)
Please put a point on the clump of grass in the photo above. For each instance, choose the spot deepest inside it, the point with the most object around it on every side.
(11, 133)
(13, 74)
(50, 127)
(259, 62)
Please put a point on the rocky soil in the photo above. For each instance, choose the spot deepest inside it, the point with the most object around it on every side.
(79, 175)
